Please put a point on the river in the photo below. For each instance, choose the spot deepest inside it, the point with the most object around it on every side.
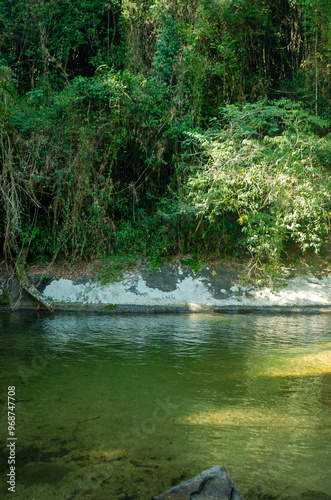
(124, 407)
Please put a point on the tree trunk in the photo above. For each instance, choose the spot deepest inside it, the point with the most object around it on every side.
(24, 282)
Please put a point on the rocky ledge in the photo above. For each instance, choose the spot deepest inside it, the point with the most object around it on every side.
(176, 288)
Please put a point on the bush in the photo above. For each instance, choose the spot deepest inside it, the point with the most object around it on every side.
(262, 162)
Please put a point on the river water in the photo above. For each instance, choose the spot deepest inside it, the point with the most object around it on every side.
(124, 407)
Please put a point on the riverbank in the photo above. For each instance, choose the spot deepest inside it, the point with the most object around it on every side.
(175, 287)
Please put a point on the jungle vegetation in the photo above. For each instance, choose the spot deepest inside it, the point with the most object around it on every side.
(154, 128)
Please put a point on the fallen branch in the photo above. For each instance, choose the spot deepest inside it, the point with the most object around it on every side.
(24, 282)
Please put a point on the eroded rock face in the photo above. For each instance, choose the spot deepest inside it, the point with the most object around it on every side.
(215, 483)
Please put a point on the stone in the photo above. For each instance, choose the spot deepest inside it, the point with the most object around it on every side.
(215, 483)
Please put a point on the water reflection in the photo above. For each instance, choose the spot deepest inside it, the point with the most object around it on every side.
(127, 404)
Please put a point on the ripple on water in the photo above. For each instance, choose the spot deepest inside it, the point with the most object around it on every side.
(120, 407)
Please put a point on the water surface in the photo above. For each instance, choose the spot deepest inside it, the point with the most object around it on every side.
(124, 407)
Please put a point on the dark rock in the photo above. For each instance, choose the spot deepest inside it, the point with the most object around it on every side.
(4, 298)
(212, 484)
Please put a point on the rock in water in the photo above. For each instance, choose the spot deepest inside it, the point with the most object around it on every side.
(215, 483)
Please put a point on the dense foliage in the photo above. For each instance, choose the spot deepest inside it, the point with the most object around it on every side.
(157, 128)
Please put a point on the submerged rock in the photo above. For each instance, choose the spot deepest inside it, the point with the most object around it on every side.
(215, 483)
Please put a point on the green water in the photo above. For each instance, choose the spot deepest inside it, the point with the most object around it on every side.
(124, 407)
